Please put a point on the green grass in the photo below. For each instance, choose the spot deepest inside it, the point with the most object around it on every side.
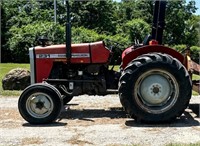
(195, 77)
(5, 68)
(116, 67)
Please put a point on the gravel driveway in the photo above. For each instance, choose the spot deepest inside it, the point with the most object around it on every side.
(96, 120)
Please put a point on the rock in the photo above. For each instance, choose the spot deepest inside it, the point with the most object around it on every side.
(16, 79)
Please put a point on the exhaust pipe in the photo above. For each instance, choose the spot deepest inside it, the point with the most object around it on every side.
(68, 34)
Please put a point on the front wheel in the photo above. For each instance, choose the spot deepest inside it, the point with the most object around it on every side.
(155, 88)
(40, 104)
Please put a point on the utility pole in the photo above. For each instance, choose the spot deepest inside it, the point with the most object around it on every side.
(55, 14)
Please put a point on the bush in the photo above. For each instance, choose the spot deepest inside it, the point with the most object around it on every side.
(83, 35)
(179, 48)
(25, 37)
(137, 29)
(194, 51)
(116, 42)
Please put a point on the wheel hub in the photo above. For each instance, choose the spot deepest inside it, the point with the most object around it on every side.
(39, 105)
(156, 89)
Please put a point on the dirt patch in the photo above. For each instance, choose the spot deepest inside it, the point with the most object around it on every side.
(75, 140)
(10, 118)
(31, 141)
(10, 114)
(96, 120)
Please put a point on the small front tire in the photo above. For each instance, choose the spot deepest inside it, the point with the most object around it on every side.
(40, 104)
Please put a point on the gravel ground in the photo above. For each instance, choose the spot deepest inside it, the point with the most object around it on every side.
(96, 120)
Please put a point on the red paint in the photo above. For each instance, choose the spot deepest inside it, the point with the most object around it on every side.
(129, 54)
(43, 66)
(80, 48)
(97, 52)
(43, 69)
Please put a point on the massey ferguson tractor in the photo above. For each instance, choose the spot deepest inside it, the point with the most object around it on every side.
(154, 82)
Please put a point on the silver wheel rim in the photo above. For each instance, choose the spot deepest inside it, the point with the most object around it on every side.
(156, 91)
(39, 105)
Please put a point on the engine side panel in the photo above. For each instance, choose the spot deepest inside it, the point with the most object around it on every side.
(80, 53)
(86, 53)
(99, 53)
(129, 54)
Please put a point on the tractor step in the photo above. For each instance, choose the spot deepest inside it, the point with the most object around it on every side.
(112, 91)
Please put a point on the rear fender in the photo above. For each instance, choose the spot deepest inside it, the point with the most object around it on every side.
(129, 54)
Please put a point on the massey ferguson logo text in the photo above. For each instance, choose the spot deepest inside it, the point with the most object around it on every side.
(74, 55)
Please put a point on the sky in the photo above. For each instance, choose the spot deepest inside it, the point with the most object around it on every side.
(197, 5)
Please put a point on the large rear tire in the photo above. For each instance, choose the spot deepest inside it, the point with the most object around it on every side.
(40, 104)
(155, 88)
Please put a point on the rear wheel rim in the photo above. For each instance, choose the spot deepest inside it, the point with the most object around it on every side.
(39, 105)
(156, 91)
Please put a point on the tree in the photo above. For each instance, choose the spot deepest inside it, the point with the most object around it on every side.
(134, 9)
(123, 22)
(96, 15)
(196, 25)
(178, 20)
(17, 14)
(137, 29)
(178, 23)
(25, 37)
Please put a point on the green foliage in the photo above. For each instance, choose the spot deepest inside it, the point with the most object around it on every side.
(123, 22)
(26, 36)
(83, 35)
(179, 48)
(137, 29)
(196, 25)
(115, 42)
(178, 28)
(194, 51)
(133, 9)
(96, 15)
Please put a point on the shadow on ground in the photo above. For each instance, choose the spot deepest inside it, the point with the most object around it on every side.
(186, 120)
(112, 113)
(54, 124)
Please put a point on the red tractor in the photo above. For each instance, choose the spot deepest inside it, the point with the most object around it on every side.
(154, 82)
